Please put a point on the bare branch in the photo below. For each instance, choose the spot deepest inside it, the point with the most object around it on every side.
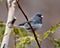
(29, 24)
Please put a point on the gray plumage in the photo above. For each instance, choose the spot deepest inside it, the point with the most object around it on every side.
(35, 21)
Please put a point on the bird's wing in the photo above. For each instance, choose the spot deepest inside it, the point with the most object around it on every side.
(32, 18)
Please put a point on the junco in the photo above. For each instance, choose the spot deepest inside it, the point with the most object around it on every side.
(35, 21)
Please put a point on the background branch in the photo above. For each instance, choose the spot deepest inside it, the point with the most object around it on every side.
(7, 32)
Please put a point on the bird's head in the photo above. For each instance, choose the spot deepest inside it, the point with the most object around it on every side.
(39, 15)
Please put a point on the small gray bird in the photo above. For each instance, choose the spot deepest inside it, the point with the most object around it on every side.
(35, 21)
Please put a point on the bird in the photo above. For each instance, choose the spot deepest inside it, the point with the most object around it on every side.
(35, 21)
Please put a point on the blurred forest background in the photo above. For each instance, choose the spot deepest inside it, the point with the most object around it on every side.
(49, 8)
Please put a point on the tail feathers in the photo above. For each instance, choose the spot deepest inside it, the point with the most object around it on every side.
(22, 24)
(22, 27)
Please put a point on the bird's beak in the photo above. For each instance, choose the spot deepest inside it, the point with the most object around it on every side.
(42, 16)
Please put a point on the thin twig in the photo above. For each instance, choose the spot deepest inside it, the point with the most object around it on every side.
(29, 24)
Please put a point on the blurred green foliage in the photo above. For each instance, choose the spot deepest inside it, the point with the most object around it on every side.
(55, 41)
(0, 1)
(24, 38)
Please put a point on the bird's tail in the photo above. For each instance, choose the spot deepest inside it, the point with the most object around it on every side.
(18, 26)
(22, 24)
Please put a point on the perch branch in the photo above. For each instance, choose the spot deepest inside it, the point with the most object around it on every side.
(29, 24)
